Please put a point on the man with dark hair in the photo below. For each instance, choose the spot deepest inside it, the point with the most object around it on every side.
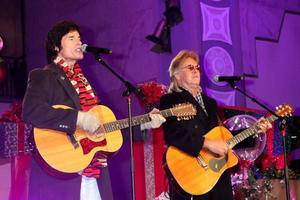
(62, 82)
(53, 42)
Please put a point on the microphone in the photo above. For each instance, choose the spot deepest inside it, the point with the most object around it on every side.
(96, 50)
(218, 78)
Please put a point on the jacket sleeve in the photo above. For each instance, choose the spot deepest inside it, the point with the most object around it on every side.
(184, 135)
(37, 104)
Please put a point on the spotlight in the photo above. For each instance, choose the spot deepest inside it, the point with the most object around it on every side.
(160, 30)
(161, 37)
(173, 12)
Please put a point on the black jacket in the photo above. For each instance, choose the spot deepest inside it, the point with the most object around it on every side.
(47, 87)
(187, 135)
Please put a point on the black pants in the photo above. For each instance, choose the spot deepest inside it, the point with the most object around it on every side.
(222, 190)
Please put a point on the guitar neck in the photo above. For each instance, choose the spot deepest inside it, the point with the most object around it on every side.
(124, 123)
(247, 133)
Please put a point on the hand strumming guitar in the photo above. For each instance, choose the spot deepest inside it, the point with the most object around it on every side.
(90, 124)
(218, 147)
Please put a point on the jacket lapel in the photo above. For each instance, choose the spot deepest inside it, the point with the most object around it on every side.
(67, 85)
(201, 114)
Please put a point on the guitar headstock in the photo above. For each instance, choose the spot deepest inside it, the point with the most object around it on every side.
(184, 111)
(284, 110)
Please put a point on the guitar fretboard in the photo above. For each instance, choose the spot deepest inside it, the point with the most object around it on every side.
(247, 133)
(124, 123)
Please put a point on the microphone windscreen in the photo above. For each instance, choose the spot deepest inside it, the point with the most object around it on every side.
(216, 78)
(83, 47)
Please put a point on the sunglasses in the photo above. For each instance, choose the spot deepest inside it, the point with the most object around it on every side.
(192, 67)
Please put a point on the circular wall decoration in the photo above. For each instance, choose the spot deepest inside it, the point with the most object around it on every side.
(217, 61)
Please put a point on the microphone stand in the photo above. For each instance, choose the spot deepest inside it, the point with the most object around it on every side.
(127, 93)
(282, 127)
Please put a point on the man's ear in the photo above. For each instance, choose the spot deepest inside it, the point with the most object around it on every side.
(176, 76)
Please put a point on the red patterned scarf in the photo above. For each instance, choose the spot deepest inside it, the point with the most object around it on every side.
(87, 100)
(80, 83)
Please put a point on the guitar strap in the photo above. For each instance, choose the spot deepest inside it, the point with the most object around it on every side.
(219, 121)
(73, 140)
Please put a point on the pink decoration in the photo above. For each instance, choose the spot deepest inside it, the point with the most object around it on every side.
(239, 122)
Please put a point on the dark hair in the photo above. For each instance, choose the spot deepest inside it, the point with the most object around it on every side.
(55, 35)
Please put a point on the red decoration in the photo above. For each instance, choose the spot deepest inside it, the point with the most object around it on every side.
(13, 115)
(153, 91)
(270, 159)
(148, 154)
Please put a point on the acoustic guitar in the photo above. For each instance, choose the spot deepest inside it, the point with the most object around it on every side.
(71, 154)
(198, 175)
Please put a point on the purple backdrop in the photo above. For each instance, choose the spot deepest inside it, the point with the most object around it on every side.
(123, 25)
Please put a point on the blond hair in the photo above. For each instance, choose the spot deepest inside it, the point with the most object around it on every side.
(182, 55)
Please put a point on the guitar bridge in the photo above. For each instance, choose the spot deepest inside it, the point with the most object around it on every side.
(201, 161)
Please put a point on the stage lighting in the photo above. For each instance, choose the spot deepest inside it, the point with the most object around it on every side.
(173, 12)
(161, 37)
(162, 34)
(159, 32)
